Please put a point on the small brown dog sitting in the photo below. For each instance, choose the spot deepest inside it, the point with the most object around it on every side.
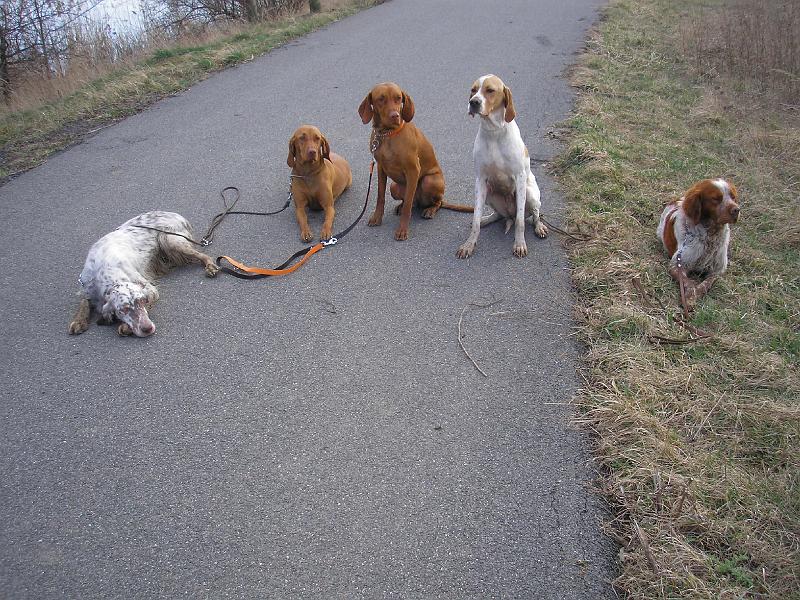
(319, 177)
(405, 155)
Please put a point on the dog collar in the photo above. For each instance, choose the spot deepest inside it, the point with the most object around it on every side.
(377, 136)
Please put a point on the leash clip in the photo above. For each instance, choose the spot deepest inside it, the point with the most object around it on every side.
(204, 242)
(330, 242)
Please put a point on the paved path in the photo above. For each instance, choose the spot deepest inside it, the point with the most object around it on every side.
(320, 435)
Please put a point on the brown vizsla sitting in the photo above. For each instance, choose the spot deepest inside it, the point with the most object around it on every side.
(405, 155)
(319, 177)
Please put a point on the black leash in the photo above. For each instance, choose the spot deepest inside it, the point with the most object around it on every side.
(245, 272)
(208, 238)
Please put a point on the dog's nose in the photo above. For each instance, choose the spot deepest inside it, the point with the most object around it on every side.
(312, 153)
(148, 329)
(475, 103)
(735, 213)
(394, 114)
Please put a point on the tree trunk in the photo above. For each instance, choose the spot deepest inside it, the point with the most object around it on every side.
(251, 10)
(5, 82)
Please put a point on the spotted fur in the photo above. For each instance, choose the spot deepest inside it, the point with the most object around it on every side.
(118, 277)
(698, 227)
(695, 232)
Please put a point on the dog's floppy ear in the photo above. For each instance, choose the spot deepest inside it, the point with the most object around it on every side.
(408, 108)
(508, 102)
(365, 110)
(292, 153)
(692, 204)
(325, 148)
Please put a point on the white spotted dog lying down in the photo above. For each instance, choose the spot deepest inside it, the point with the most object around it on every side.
(695, 232)
(503, 176)
(121, 267)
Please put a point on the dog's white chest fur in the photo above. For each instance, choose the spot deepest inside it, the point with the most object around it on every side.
(499, 155)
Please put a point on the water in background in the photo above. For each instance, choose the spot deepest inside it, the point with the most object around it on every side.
(119, 17)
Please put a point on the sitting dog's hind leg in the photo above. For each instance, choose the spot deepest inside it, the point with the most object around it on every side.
(430, 195)
(80, 322)
(534, 204)
(489, 219)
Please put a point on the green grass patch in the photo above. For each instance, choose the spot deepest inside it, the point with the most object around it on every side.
(699, 439)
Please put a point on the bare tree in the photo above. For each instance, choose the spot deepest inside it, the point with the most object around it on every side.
(37, 33)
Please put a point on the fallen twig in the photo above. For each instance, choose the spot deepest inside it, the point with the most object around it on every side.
(577, 236)
(460, 342)
(676, 511)
(675, 341)
(644, 543)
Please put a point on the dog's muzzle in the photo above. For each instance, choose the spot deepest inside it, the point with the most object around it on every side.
(475, 106)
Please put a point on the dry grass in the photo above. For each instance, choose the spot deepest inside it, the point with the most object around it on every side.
(698, 437)
(754, 42)
(28, 136)
(100, 55)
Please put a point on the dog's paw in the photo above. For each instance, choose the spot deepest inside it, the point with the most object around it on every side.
(540, 229)
(211, 270)
(520, 249)
(429, 213)
(375, 220)
(78, 327)
(401, 234)
(123, 329)
(306, 235)
(465, 250)
(325, 234)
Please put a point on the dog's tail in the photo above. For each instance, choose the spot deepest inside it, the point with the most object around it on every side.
(458, 207)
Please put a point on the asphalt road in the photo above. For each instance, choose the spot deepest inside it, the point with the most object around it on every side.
(320, 435)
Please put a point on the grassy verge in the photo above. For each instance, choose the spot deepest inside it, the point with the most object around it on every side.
(699, 440)
(28, 137)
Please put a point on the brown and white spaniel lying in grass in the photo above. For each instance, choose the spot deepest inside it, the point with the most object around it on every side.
(695, 231)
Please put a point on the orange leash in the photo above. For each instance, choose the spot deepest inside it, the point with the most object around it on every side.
(243, 271)
(273, 272)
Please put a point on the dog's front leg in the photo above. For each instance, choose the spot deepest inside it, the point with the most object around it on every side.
(702, 288)
(686, 287)
(300, 203)
(327, 226)
(377, 216)
(412, 180)
(520, 247)
(467, 248)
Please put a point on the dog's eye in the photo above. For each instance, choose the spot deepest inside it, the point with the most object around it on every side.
(490, 91)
